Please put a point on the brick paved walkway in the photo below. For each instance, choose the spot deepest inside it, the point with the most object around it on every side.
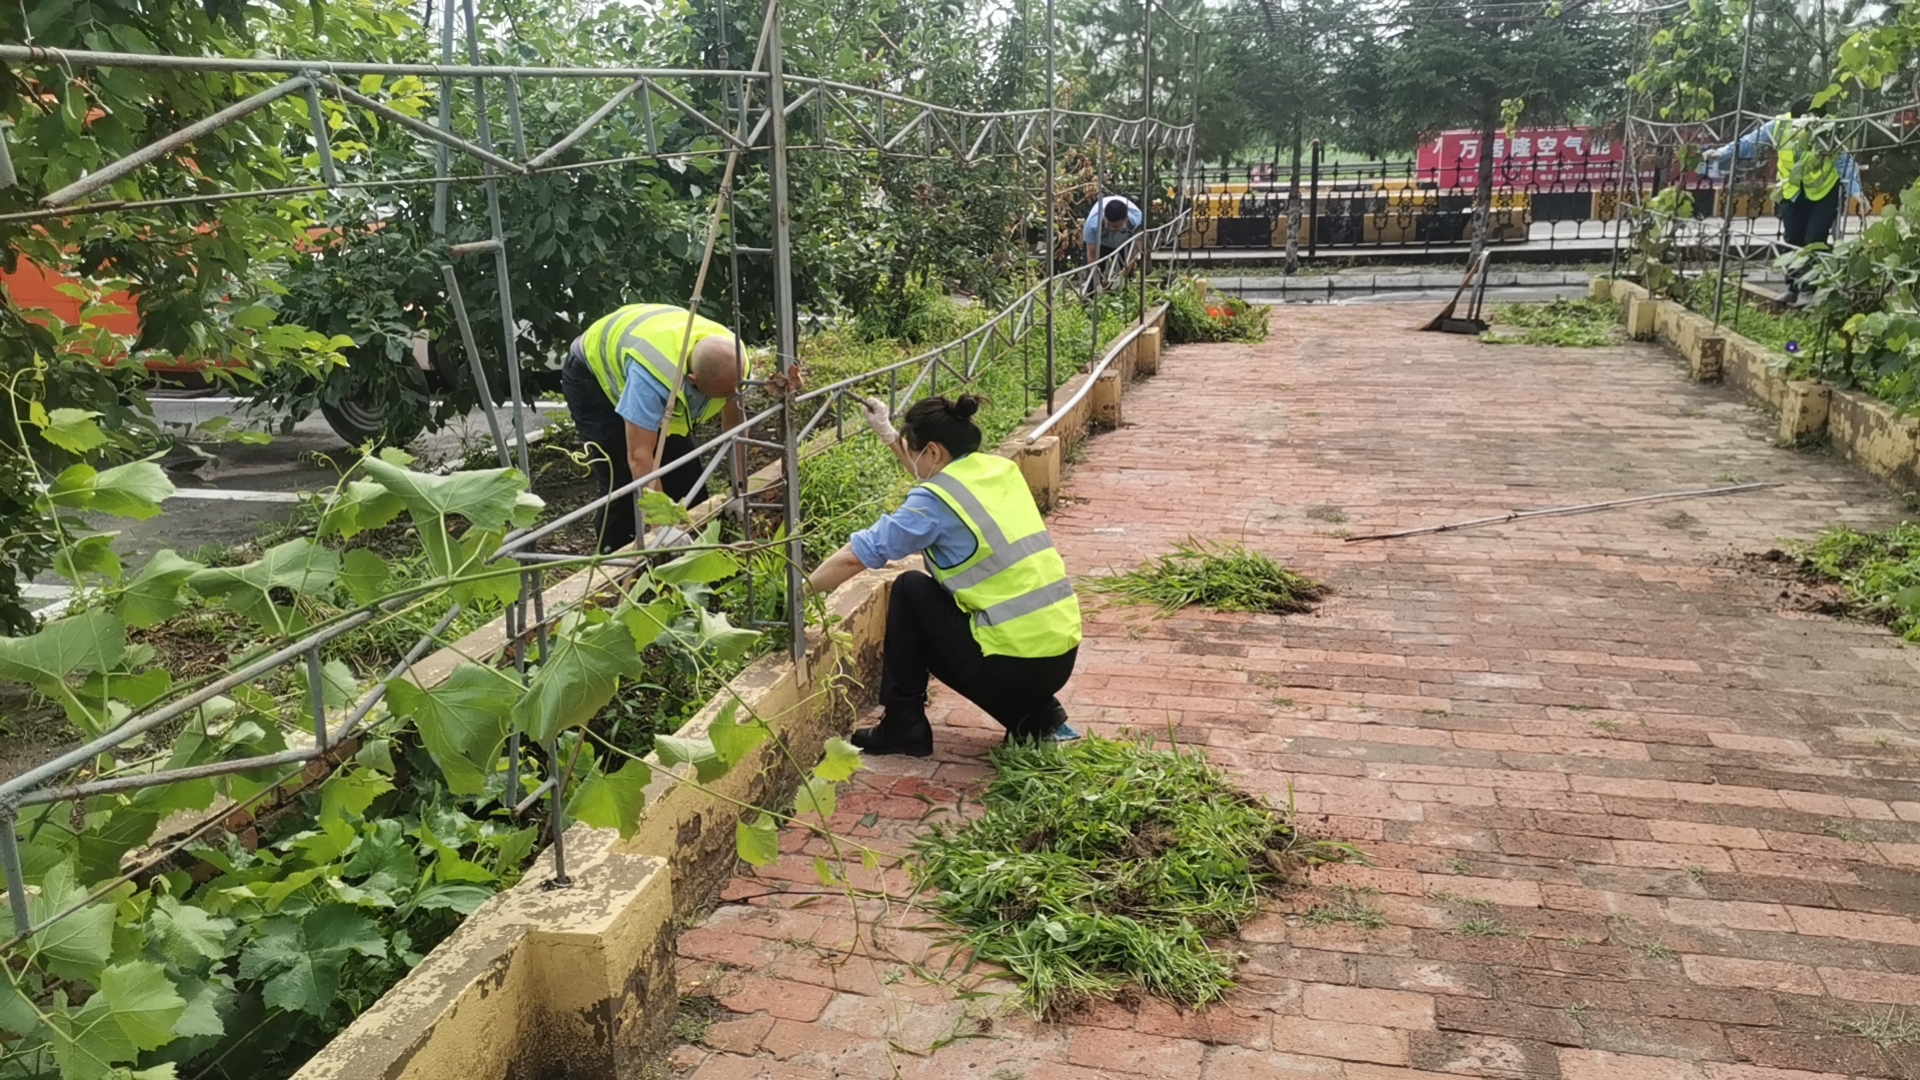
(1695, 815)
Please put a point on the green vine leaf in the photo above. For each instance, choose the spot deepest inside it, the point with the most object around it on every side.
(463, 721)
(816, 796)
(300, 959)
(92, 641)
(74, 947)
(733, 741)
(186, 934)
(577, 681)
(759, 843)
(144, 1003)
(613, 800)
(152, 595)
(297, 566)
(697, 568)
(842, 760)
(677, 750)
(361, 506)
(364, 574)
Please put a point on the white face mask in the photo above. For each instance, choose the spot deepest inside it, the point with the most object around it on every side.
(915, 465)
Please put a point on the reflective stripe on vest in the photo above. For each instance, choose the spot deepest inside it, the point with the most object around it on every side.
(1816, 176)
(653, 337)
(1021, 600)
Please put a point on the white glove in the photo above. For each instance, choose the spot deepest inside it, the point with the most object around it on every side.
(879, 419)
(669, 536)
(1718, 153)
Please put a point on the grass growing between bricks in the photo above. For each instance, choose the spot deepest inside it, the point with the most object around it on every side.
(1579, 324)
(1880, 572)
(1102, 865)
(1222, 577)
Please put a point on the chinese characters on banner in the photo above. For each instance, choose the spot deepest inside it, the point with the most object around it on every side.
(1533, 158)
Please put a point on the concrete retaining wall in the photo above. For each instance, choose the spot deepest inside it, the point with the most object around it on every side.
(578, 983)
(1860, 428)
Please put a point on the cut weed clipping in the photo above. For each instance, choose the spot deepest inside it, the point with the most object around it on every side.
(1101, 865)
(1223, 577)
(1578, 324)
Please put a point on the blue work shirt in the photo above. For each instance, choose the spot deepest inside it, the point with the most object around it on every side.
(1752, 141)
(924, 522)
(1096, 231)
(643, 401)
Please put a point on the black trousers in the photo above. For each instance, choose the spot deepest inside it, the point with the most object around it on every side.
(1806, 221)
(604, 434)
(928, 635)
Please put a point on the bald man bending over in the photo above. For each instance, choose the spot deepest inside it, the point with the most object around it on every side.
(617, 379)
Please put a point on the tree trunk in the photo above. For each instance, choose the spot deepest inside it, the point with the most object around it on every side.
(1483, 193)
(1293, 205)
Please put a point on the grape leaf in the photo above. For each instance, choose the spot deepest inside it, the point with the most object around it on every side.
(842, 760)
(300, 959)
(613, 800)
(92, 641)
(649, 621)
(697, 568)
(186, 933)
(360, 506)
(675, 750)
(816, 796)
(577, 681)
(201, 1017)
(733, 741)
(297, 566)
(363, 573)
(463, 721)
(152, 596)
(144, 1002)
(76, 946)
(134, 490)
(758, 843)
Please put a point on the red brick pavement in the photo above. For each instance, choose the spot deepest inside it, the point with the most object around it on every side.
(1690, 817)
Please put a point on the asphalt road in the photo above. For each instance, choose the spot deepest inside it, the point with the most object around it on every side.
(228, 496)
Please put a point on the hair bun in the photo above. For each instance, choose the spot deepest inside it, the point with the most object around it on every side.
(965, 406)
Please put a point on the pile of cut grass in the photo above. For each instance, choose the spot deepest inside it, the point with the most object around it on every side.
(1577, 324)
(1222, 577)
(1880, 571)
(1101, 865)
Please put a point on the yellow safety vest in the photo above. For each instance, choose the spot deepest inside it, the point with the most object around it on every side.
(651, 335)
(1015, 584)
(1802, 167)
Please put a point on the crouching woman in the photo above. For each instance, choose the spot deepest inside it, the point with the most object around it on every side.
(994, 617)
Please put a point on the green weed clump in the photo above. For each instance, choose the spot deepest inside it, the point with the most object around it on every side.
(1576, 324)
(1105, 864)
(1216, 318)
(1880, 571)
(1222, 577)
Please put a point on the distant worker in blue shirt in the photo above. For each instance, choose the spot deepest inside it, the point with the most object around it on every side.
(1111, 223)
(994, 616)
(1809, 177)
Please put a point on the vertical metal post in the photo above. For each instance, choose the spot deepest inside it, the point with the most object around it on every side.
(321, 144)
(786, 334)
(1313, 201)
(1145, 252)
(516, 129)
(556, 815)
(1733, 163)
(1053, 231)
(10, 866)
(440, 160)
(317, 697)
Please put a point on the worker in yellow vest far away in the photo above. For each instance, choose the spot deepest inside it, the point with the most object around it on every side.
(994, 616)
(1810, 176)
(617, 379)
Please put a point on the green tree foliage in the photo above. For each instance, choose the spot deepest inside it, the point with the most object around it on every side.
(1484, 65)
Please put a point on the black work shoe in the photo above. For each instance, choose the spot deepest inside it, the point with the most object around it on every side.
(913, 738)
